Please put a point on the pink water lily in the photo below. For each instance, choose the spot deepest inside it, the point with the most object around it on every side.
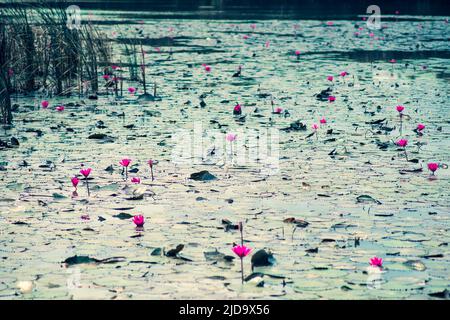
(392, 61)
(330, 78)
(45, 104)
(86, 172)
(245, 37)
(297, 52)
(323, 120)
(343, 73)
(241, 251)
(331, 98)
(106, 77)
(433, 166)
(139, 220)
(237, 110)
(278, 110)
(400, 108)
(60, 108)
(402, 143)
(420, 127)
(125, 162)
(376, 262)
(207, 68)
(136, 180)
(315, 126)
(132, 90)
(75, 182)
(231, 137)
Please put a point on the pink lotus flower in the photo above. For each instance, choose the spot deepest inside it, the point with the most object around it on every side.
(241, 251)
(207, 68)
(420, 127)
(433, 166)
(106, 77)
(323, 120)
(392, 61)
(400, 108)
(60, 108)
(402, 143)
(330, 23)
(376, 262)
(267, 44)
(278, 110)
(135, 180)
(139, 220)
(114, 67)
(343, 73)
(315, 126)
(331, 98)
(245, 37)
(131, 90)
(86, 172)
(125, 162)
(231, 137)
(75, 181)
(44, 104)
(237, 109)
(297, 52)
(330, 78)
(371, 35)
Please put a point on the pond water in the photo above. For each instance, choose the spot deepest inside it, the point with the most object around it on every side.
(353, 185)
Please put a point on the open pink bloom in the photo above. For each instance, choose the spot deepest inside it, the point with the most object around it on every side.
(106, 77)
(231, 137)
(433, 166)
(331, 98)
(44, 104)
(371, 35)
(139, 220)
(323, 120)
(376, 262)
(400, 108)
(75, 181)
(278, 110)
(343, 73)
(125, 162)
(86, 172)
(392, 61)
(241, 251)
(60, 108)
(315, 126)
(420, 127)
(297, 52)
(402, 142)
(207, 68)
(136, 180)
(150, 163)
(330, 78)
(131, 90)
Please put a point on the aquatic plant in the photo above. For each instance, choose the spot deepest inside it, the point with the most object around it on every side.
(400, 114)
(139, 220)
(323, 120)
(86, 173)
(75, 182)
(136, 180)
(403, 143)
(433, 166)
(315, 127)
(151, 163)
(376, 262)
(237, 110)
(241, 250)
(125, 163)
